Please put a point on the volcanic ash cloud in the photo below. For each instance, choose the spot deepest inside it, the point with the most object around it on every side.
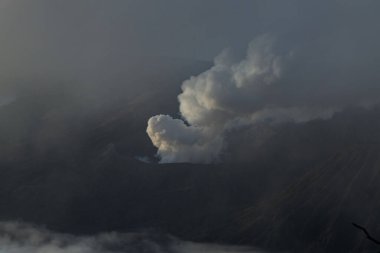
(270, 85)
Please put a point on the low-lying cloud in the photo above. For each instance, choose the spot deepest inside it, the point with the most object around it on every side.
(275, 82)
(16, 237)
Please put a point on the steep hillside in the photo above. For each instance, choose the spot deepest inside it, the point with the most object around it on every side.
(317, 208)
(71, 162)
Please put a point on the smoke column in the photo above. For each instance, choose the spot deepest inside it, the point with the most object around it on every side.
(272, 84)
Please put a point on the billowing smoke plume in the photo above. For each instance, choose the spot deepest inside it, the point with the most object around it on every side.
(182, 143)
(24, 238)
(274, 83)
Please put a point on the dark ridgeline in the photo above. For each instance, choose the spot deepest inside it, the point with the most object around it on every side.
(300, 189)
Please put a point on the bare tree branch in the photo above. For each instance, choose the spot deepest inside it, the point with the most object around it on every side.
(369, 237)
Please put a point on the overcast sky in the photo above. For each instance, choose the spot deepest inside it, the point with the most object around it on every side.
(45, 37)
(195, 29)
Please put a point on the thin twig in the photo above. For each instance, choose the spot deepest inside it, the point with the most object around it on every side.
(369, 237)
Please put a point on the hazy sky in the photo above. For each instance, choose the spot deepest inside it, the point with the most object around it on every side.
(43, 37)
(192, 29)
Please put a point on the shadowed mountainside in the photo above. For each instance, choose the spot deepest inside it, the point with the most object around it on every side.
(68, 161)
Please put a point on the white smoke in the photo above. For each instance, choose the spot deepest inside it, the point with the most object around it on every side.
(269, 85)
(18, 237)
(178, 142)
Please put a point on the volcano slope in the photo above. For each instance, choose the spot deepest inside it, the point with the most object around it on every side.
(316, 208)
(291, 186)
